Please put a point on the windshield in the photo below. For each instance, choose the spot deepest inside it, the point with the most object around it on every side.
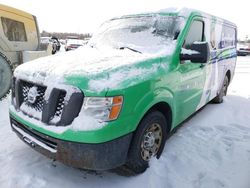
(143, 34)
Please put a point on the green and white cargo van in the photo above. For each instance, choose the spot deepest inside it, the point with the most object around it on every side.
(113, 102)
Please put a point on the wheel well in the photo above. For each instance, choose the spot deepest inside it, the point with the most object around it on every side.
(165, 109)
(228, 74)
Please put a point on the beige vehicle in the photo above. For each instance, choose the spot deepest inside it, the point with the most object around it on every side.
(19, 43)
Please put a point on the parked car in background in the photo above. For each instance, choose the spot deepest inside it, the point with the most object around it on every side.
(53, 41)
(56, 42)
(243, 50)
(19, 43)
(62, 41)
(46, 41)
(72, 44)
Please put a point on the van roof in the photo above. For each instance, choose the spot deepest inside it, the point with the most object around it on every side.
(184, 12)
(15, 11)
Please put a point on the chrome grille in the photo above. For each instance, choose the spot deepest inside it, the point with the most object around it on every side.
(60, 104)
(39, 102)
(52, 106)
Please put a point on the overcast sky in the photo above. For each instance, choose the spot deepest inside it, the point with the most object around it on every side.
(85, 16)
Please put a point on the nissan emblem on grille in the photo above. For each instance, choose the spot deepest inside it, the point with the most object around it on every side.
(32, 95)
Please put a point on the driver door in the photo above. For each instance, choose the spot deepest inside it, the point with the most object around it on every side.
(192, 75)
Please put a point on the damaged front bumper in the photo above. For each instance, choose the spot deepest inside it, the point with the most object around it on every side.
(101, 156)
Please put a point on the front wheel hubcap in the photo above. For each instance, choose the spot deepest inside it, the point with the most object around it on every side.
(151, 141)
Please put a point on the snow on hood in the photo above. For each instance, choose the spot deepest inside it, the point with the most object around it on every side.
(127, 76)
(86, 62)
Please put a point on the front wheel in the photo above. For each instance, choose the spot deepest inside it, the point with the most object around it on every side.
(223, 91)
(148, 141)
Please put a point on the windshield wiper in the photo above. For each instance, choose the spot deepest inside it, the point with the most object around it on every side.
(125, 47)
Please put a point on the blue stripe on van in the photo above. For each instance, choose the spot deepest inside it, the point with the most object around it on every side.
(217, 56)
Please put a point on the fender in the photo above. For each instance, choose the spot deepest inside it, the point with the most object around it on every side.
(162, 94)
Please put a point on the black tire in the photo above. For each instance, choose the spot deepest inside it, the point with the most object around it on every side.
(5, 76)
(139, 153)
(223, 91)
(53, 49)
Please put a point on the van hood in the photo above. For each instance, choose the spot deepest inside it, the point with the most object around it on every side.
(90, 69)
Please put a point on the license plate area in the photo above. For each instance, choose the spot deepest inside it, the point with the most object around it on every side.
(33, 139)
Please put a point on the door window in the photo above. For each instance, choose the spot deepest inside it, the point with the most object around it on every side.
(195, 34)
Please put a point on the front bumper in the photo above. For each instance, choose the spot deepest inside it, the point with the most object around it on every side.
(102, 156)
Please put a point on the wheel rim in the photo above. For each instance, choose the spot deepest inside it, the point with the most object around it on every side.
(151, 141)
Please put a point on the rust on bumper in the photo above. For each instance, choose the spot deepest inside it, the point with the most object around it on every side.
(101, 156)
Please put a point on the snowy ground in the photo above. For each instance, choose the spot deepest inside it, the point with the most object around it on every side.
(211, 150)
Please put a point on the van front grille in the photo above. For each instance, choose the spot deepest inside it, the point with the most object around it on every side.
(38, 104)
(52, 106)
(32, 99)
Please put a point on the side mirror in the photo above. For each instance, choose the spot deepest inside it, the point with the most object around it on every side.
(198, 53)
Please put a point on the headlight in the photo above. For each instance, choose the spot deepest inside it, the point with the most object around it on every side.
(103, 108)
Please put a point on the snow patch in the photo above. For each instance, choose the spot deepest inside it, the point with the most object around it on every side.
(114, 80)
(30, 111)
(83, 122)
(181, 11)
(85, 61)
(188, 51)
(86, 122)
(55, 129)
(171, 9)
(200, 42)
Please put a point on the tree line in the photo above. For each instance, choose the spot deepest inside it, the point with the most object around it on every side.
(65, 35)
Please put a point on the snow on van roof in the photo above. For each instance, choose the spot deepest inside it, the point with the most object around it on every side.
(184, 11)
(180, 11)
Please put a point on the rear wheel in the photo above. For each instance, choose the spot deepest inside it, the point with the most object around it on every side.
(223, 91)
(54, 48)
(148, 141)
(5, 76)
